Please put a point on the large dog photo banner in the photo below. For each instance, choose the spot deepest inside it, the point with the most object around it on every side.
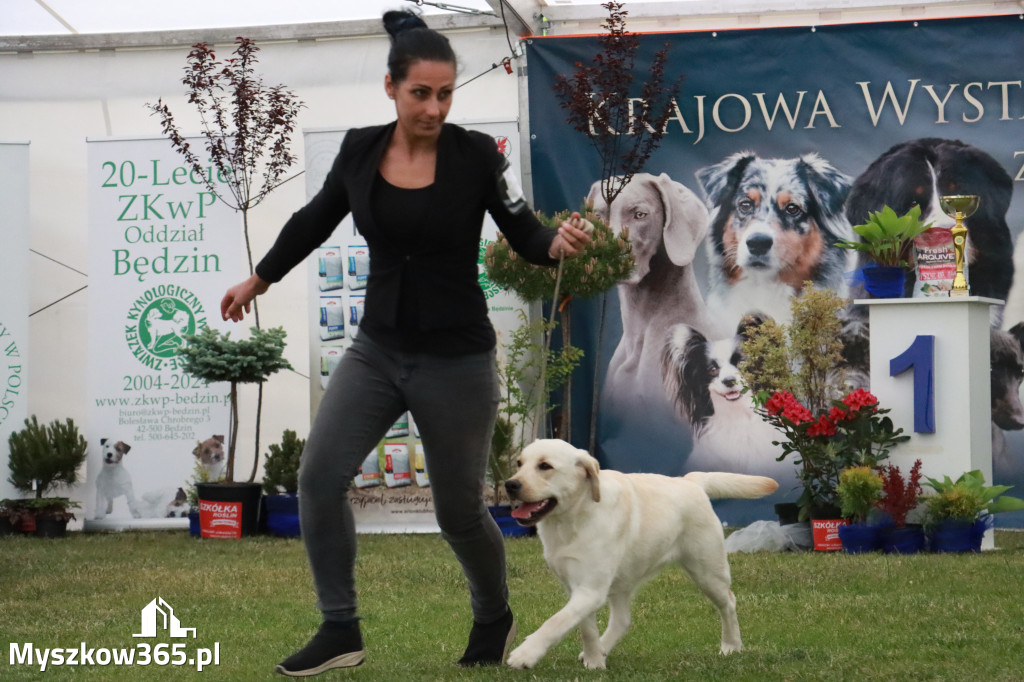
(780, 140)
(14, 226)
(391, 493)
(163, 249)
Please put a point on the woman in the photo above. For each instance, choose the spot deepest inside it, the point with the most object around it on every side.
(417, 189)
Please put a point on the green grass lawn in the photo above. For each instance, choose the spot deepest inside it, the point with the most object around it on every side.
(809, 616)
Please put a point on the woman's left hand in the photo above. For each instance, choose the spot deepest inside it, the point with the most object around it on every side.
(573, 235)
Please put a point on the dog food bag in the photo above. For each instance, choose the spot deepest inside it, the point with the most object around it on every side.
(332, 318)
(400, 427)
(420, 466)
(358, 266)
(332, 268)
(369, 471)
(396, 465)
(356, 303)
(936, 263)
(330, 356)
(413, 426)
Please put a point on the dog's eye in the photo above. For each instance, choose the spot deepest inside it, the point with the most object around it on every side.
(639, 215)
(713, 370)
(544, 466)
(745, 205)
(793, 210)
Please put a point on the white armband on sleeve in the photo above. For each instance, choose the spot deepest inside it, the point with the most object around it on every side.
(509, 189)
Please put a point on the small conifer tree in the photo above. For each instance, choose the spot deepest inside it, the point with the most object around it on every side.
(213, 356)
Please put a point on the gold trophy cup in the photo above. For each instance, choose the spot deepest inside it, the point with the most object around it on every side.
(959, 207)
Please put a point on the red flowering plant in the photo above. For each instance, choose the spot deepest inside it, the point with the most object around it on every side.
(855, 431)
(900, 496)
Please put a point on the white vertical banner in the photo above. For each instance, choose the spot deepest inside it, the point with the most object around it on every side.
(395, 497)
(14, 226)
(163, 249)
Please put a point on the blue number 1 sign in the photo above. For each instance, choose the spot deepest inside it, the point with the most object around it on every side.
(920, 357)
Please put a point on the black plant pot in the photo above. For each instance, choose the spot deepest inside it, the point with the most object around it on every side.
(50, 527)
(6, 527)
(788, 513)
(228, 510)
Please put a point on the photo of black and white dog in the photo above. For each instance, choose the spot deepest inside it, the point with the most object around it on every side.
(917, 173)
(702, 379)
(774, 226)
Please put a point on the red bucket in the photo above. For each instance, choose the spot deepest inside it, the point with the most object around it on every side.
(228, 510)
(826, 534)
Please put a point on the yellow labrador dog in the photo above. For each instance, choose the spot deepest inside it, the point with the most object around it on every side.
(605, 533)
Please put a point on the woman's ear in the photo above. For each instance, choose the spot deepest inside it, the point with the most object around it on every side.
(389, 87)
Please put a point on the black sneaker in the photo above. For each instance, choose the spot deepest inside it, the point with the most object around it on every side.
(489, 643)
(335, 645)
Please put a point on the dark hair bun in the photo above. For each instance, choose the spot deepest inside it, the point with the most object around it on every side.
(396, 21)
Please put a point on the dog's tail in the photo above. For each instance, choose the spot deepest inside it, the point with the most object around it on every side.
(718, 484)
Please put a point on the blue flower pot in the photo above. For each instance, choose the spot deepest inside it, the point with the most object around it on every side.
(858, 538)
(959, 536)
(906, 540)
(884, 281)
(283, 515)
(193, 522)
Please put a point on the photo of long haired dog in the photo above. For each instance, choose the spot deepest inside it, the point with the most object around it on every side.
(667, 223)
(702, 379)
(774, 226)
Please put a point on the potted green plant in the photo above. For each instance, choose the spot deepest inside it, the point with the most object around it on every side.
(519, 376)
(281, 485)
(605, 261)
(887, 239)
(900, 497)
(859, 489)
(43, 457)
(960, 511)
(216, 357)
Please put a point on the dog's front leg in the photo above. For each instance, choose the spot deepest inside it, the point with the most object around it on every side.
(593, 656)
(583, 602)
(103, 507)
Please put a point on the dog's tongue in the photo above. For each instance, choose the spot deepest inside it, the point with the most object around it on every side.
(526, 509)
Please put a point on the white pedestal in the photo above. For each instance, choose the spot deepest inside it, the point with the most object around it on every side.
(962, 440)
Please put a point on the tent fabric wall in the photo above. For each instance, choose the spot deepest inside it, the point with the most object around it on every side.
(58, 100)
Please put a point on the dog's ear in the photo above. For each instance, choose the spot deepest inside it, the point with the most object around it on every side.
(829, 188)
(198, 448)
(1017, 332)
(593, 471)
(123, 447)
(685, 375)
(720, 180)
(219, 439)
(103, 441)
(686, 219)
(597, 203)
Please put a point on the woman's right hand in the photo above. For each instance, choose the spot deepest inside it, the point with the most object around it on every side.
(239, 298)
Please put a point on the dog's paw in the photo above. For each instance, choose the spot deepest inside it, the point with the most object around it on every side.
(730, 648)
(523, 657)
(595, 662)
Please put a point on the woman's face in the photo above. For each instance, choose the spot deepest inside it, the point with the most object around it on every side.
(423, 99)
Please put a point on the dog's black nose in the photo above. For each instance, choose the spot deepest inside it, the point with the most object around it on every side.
(512, 487)
(759, 244)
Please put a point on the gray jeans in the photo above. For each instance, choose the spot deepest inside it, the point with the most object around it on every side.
(454, 402)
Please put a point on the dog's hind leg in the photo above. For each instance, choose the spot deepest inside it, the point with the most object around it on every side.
(583, 603)
(711, 574)
(619, 619)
